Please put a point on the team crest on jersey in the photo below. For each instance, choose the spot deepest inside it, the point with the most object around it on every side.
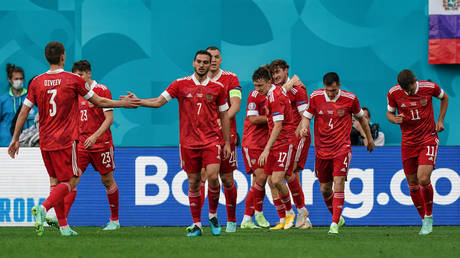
(423, 102)
(451, 5)
(252, 106)
(209, 97)
(340, 112)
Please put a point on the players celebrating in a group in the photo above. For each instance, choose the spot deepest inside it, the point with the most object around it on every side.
(201, 103)
(333, 109)
(419, 145)
(56, 95)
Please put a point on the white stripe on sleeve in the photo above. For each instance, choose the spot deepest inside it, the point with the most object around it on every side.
(28, 103)
(166, 95)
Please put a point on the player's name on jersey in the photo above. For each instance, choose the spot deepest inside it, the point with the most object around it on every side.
(52, 83)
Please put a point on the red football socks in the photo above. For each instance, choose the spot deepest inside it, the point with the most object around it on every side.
(286, 199)
(230, 202)
(249, 210)
(57, 195)
(427, 192)
(203, 196)
(417, 199)
(280, 208)
(328, 201)
(194, 199)
(213, 198)
(259, 195)
(297, 193)
(112, 196)
(337, 206)
(68, 201)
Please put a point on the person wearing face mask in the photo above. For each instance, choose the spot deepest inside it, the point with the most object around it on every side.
(11, 101)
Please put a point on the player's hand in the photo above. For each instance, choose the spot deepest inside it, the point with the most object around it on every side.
(227, 151)
(439, 126)
(90, 141)
(399, 118)
(130, 101)
(13, 149)
(370, 145)
(298, 82)
(304, 132)
(263, 158)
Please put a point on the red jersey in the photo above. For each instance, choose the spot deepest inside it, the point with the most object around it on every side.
(279, 109)
(333, 122)
(230, 82)
(255, 136)
(56, 95)
(92, 117)
(199, 107)
(418, 125)
(299, 103)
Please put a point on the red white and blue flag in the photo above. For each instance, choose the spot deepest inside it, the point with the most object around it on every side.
(444, 34)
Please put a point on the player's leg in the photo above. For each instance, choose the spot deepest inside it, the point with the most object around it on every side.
(283, 192)
(279, 205)
(212, 171)
(340, 167)
(299, 200)
(410, 167)
(226, 175)
(247, 222)
(258, 187)
(52, 221)
(191, 163)
(111, 188)
(202, 186)
(424, 175)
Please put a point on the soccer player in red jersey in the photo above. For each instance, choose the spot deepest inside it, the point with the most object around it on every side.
(56, 95)
(277, 156)
(255, 137)
(233, 89)
(95, 144)
(419, 145)
(299, 102)
(333, 109)
(201, 103)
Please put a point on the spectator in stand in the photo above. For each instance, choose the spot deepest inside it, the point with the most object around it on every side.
(11, 101)
(358, 137)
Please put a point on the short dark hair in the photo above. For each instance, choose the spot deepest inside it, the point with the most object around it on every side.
(405, 78)
(203, 52)
(278, 63)
(366, 109)
(212, 48)
(262, 73)
(53, 52)
(11, 68)
(82, 66)
(330, 78)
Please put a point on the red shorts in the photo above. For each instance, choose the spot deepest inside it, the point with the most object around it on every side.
(327, 169)
(251, 158)
(301, 154)
(192, 160)
(61, 164)
(230, 164)
(418, 155)
(102, 161)
(281, 159)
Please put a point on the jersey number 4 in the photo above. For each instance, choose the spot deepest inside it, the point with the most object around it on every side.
(52, 102)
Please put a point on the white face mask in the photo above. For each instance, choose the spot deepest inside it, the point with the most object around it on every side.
(18, 84)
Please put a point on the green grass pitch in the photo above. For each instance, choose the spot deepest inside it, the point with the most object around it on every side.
(172, 242)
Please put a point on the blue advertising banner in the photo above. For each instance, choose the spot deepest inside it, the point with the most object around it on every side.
(153, 190)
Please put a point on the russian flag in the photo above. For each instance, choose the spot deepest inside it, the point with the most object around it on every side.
(444, 34)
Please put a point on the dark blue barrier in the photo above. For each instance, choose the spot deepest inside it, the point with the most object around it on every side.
(153, 192)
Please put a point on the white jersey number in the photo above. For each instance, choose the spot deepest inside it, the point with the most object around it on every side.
(199, 107)
(330, 124)
(414, 114)
(84, 115)
(52, 102)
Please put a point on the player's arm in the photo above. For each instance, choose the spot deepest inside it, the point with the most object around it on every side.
(225, 123)
(90, 141)
(295, 80)
(278, 125)
(109, 103)
(235, 101)
(13, 149)
(152, 102)
(442, 112)
(364, 122)
(395, 119)
(257, 120)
